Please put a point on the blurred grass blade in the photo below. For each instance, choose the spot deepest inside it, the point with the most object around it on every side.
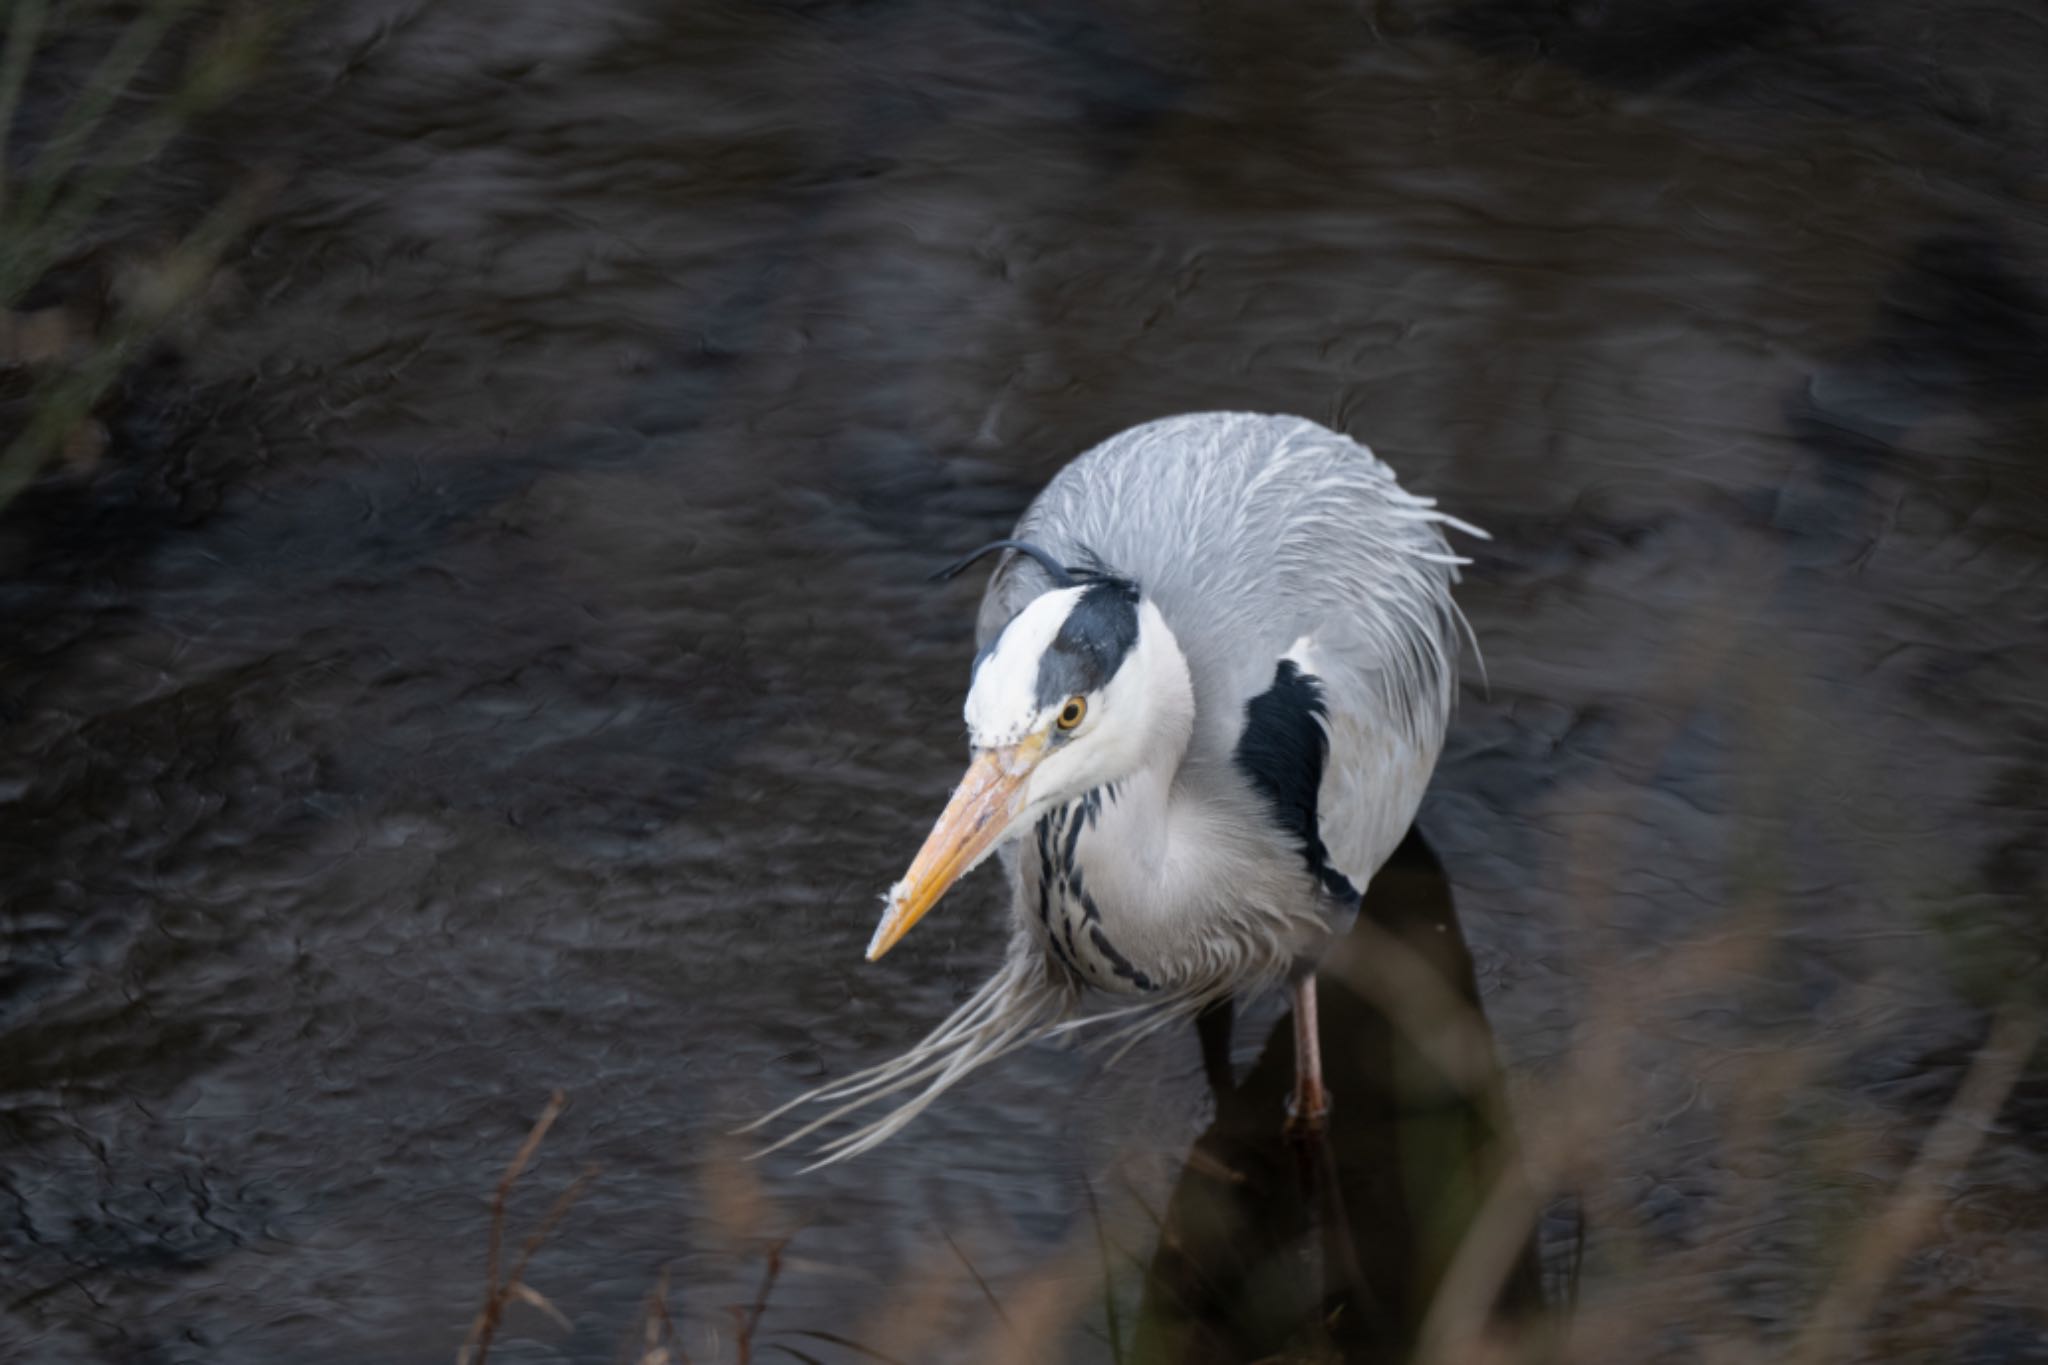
(1892, 1234)
(24, 32)
(70, 396)
(44, 230)
(848, 1343)
(1116, 1344)
(533, 1298)
(982, 1284)
(67, 145)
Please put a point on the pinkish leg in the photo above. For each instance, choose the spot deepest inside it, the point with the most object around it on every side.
(1309, 1102)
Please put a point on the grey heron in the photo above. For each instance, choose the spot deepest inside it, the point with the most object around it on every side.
(1216, 663)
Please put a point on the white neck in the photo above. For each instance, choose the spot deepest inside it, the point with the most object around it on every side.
(1155, 744)
(1169, 693)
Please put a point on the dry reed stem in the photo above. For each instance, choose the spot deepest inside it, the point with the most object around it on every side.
(476, 1346)
(747, 1319)
(1892, 1235)
(660, 1342)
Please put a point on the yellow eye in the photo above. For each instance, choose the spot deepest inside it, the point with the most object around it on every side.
(1071, 713)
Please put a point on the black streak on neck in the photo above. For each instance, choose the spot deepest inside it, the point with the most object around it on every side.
(1060, 879)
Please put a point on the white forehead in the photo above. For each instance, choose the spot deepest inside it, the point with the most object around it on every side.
(1003, 701)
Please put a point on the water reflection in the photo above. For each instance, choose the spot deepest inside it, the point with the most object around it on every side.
(1333, 1249)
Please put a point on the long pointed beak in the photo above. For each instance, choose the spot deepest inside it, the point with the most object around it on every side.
(988, 798)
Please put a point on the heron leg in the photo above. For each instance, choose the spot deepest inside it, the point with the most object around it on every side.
(1309, 1103)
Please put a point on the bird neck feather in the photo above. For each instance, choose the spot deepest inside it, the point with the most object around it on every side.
(1164, 716)
(1169, 693)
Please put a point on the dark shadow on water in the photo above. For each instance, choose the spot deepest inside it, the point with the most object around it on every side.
(1260, 1258)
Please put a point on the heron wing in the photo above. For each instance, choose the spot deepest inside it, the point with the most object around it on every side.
(1377, 768)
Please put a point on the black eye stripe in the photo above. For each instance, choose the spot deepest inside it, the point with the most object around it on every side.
(1091, 643)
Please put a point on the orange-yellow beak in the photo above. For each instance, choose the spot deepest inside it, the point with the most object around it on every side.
(983, 805)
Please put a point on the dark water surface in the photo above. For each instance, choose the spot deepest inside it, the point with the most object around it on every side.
(495, 654)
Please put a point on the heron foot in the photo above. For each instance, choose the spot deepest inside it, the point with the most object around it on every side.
(1307, 1108)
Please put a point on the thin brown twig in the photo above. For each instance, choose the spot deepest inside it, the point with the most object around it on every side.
(847, 1342)
(663, 1343)
(746, 1320)
(498, 1292)
(534, 1136)
(560, 1207)
(986, 1292)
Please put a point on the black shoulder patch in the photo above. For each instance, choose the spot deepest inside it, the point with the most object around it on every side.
(1284, 750)
(1092, 641)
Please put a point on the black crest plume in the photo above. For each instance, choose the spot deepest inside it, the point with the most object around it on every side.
(1062, 576)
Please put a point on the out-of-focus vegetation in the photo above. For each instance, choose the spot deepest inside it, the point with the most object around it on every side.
(91, 96)
(1204, 1279)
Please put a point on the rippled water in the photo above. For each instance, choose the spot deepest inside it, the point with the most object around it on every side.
(495, 653)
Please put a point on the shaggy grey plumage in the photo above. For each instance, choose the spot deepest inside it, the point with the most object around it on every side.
(1259, 539)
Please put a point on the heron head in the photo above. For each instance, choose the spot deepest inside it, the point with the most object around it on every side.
(1084, 686)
